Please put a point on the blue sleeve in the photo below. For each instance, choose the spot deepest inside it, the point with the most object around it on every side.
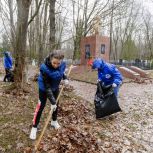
(53, 74)
(63, 70)
(117, 76)
(62, 67)
(10, 60)
(4, 62)
(99, 75)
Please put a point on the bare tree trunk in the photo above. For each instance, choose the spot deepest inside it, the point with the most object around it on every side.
(111, 29)
(148, 36)
(78, 24)
(21, 37)
(44, 32)
(52, 25)
(37, 28)
(83, 15)
(34, 30)
(12, 27)
(31, 37)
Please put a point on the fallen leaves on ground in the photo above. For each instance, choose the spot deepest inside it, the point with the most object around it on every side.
(126, 132)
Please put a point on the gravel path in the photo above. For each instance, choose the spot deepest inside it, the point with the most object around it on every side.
(84, 90)
(135, 123)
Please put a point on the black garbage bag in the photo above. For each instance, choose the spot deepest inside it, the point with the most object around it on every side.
(106, 102)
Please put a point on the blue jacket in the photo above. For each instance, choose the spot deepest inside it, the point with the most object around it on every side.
(53, 76)
(107, 73)
(8, 62)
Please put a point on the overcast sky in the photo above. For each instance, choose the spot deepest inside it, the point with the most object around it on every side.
(146, 3)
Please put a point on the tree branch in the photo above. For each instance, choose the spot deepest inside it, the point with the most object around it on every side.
(34, 15)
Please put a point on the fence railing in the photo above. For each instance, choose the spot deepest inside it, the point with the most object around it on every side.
(143, 64)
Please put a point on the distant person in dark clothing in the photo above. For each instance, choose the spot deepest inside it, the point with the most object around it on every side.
(8, 65)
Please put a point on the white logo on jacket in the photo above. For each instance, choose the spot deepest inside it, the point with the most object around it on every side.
(107, 76)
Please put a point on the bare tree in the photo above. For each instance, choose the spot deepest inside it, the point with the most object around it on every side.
(111, 27)
(148, 34)
(42, 47)
(7, 11)
(83, 15)
(21, 35)
(125, 22)
(52, 25)
(12, 26)
(34, 28)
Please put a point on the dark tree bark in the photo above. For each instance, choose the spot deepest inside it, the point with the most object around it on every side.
(111, 29)
(12, 27)
(44, 32)
(21, 38)
(52, 25)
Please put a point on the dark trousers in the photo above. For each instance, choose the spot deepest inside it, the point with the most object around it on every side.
(9, 76)
(7, 71)
(40, 107)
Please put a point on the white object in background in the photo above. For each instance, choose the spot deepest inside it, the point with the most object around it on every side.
(33, 62)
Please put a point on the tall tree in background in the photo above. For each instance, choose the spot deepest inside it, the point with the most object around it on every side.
(52, 25)
(111, 28)
(125, 23)
(130, 50)
(148, 35)
(42, 30)
(38, 15)
(84, 12)
(21, 35)
(12, 26)
(42, 47)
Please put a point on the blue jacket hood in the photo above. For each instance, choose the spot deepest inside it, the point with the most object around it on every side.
(54, 75)
(6, 53)
(98, 64)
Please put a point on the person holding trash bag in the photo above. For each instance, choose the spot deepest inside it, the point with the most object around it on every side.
(108, 74)
(52, 71)
(109, 81)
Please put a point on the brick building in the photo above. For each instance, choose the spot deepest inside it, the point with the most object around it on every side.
(94, 46)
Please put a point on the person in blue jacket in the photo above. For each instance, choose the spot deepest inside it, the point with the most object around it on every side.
(52, 71)
(108, 74)
(8, 65)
